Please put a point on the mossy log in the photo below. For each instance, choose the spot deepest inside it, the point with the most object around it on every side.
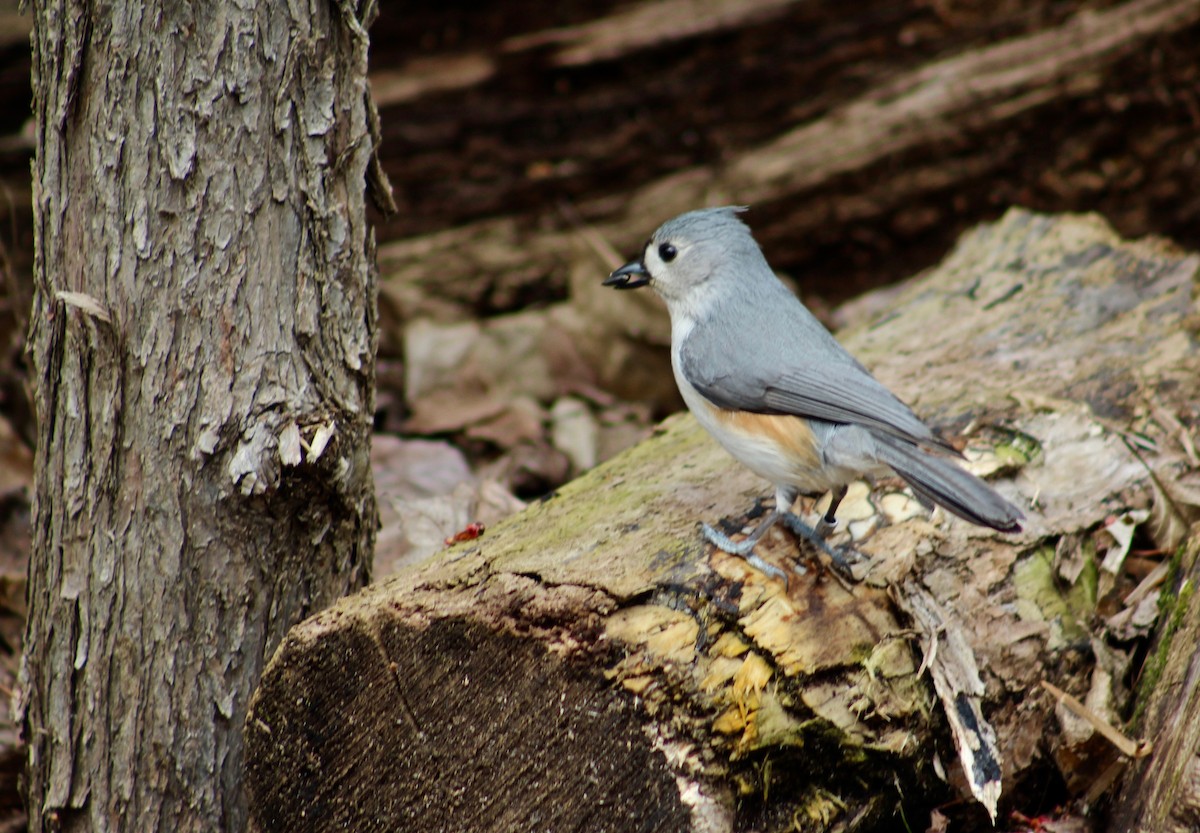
(591, 664)
(1161, 793)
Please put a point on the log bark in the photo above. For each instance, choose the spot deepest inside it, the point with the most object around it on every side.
(203, 345)
(1161, 792)
(592, 664)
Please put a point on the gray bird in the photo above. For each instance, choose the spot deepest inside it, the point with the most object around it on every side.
(777, 391)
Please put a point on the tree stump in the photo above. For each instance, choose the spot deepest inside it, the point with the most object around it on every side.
(592, 664)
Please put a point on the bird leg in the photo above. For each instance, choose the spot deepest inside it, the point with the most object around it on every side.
(784, 498)
(745, 548)
(829, 520)
(802, 530)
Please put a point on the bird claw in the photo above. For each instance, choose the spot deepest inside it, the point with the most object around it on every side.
(769, 569)
(726, 544)
(742, 549)
(837, 555)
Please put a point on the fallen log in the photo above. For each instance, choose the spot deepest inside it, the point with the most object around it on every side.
(592, 664)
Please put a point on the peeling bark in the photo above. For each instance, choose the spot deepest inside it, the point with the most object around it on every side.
(203, 341)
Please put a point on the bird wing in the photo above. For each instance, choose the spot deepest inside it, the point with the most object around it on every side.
(808, 375)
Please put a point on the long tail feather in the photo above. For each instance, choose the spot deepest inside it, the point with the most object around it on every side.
(941, 481)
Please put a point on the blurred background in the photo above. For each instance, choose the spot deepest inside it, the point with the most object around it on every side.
(532, 147)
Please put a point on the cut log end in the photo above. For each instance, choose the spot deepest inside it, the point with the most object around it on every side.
(485, 731)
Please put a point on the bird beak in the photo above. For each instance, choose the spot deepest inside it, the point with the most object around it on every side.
(630, 276)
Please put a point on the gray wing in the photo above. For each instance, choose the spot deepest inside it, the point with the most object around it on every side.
(786, 362)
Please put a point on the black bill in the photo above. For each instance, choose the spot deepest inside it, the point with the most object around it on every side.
(630, 276)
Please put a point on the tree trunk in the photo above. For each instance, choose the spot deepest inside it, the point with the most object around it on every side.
(592, 665)
(203, 343)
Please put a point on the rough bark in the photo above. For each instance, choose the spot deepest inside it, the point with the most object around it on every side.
(566, 669)
(203, 344)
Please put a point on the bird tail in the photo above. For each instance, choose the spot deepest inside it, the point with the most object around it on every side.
(939, 480)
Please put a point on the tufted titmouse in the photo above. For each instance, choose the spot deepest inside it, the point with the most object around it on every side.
(768, 381)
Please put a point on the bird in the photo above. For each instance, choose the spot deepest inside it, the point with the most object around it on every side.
(773, 386)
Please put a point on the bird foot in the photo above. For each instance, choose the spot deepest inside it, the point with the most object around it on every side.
(816, 537)
(743, 549)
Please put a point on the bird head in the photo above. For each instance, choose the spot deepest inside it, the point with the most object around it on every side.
(687, 251)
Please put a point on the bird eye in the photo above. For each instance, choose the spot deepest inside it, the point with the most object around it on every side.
(667, 252)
